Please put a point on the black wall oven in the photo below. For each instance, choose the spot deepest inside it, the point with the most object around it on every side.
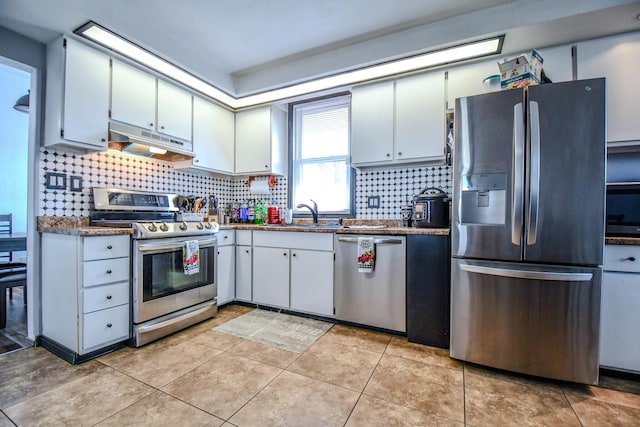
(623, 209)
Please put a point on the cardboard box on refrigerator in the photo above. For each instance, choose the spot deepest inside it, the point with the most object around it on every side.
(521, 71)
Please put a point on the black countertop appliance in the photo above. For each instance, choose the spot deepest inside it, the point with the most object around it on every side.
(431, 209)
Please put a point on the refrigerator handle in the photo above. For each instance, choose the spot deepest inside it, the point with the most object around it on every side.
(525, 274)
(534, 192)
(518, 174)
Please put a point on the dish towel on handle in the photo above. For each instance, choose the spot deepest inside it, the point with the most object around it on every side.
(366, 255)
(191, 257)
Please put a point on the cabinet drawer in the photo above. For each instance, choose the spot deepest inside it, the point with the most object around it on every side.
(101, 297)
(243, 237)
(102, 247)
(226, 238)
(622, 258)
(294, 240)
(105, 326)
(105, 271)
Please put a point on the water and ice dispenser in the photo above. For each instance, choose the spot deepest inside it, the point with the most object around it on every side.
(484, 199)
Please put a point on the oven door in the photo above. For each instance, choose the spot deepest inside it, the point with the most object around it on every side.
(160, 285)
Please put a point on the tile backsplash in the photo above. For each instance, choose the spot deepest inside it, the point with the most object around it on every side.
(394, 186)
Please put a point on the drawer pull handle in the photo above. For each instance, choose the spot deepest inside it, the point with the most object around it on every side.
(109, 325)
(108, 271)
(247, 251)
(631, 258)
(109, 247)
(109, 297)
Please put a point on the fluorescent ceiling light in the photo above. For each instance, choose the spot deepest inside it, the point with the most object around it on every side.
(462, 52)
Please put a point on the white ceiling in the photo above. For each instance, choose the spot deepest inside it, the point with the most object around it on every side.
(247, 46)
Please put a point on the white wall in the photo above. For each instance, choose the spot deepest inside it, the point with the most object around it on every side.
(14, 137)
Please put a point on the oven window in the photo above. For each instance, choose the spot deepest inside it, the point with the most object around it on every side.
(163, 273)
(623, 208)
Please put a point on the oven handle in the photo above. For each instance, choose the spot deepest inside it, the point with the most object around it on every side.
(155, 247)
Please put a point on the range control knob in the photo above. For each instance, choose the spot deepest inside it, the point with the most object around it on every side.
(199, 226)
(164, 227)
(183, 226)
(207, 225)
(152, 227)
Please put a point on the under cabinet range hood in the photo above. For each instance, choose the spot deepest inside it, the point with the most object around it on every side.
(143, 142)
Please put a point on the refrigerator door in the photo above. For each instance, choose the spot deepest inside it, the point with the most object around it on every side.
(564, 207)
(488, 183)
(533, 319)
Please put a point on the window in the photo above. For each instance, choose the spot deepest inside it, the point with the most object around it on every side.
(320, 166)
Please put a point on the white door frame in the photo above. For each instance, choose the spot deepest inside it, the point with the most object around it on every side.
(34, 323)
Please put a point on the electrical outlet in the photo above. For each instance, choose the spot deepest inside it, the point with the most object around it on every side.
(55, 181)
(373, 202)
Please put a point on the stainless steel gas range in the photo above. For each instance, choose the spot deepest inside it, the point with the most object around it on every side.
(165, 296)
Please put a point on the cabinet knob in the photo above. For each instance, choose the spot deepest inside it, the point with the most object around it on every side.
(109, 247)
(103, 140)
(631, 258)
(218, 252)
(108, 271)
(266, 166)
(293, 254)
(226, 237)
(285, 254)
(399, 153)
(388, 155)
(109, 297)
(161, 127)
(150, 124)
(109, 325)
(247, 251)
(196, 160)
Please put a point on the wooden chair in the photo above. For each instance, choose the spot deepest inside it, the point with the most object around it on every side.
(12, 273)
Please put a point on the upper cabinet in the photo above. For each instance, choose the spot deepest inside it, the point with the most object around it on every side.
(617, 58)
(468, 80)
(136, 96)
(77, 96)
(398, 121)
(261, 141)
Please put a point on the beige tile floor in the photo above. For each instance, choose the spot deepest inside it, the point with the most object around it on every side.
(349, 377)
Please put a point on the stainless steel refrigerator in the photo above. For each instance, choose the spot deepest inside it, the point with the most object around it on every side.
(528, 229)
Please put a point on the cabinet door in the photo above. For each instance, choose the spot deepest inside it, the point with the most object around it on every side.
(213, 136)
(557, 63)
(619, 320)
(226, 279)
(618, 59)
(174, 111)
(243, 273)
(420, 121)
(312, 281)
(133, 96)
(271, 276)
(253, 140)
(467, 80)
(86, 95)
(372, 123)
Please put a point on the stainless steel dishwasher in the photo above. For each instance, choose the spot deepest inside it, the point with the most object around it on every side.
(377, 298)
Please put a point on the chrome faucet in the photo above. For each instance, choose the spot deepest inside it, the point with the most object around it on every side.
(314, 210)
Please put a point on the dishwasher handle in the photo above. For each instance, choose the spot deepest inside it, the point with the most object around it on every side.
(376, 241)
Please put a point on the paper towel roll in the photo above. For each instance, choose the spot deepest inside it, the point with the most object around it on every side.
(259, 187)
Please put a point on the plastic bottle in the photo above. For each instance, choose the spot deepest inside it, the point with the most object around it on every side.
(273, 213)
(265, 212)
(257, 212)
(250, 211)
(243, 211)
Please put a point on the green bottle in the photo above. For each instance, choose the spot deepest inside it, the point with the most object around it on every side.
(258, 212)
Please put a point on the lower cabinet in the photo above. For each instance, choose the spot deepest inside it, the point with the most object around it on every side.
(85, 294)
(244, 257)
(294, 270)
(619, 314)
(226, 274)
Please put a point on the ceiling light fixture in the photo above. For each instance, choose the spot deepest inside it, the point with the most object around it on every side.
(22, 104)
(471, 50)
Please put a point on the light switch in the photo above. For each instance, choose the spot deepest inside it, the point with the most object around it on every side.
(373, 202)
(55, 181)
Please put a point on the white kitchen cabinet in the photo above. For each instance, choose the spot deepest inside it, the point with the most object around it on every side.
(133, 96)
(261, 141)
(226, 274)
(312, 281)
(398, 121)
(77, 96)
(372, 123)
(139, 99)
(85, 294)
(244, 265)
(616, 58)
(174, 111)
(294, 270)
(468, 80)
(419, 118)
(213, 138)
(619, 316)
(271, 276)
